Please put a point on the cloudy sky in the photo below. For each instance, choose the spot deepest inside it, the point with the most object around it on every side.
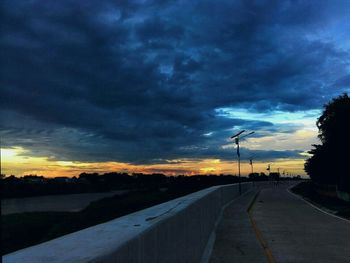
(159, 86)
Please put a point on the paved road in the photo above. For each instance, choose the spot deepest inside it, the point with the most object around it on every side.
(296, 232)
(291, 230)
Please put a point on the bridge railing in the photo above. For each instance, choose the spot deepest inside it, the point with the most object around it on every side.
(174, 231)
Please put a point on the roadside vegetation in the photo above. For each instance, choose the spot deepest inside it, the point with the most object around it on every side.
(329, 162)
(317, 195)
(33, 185)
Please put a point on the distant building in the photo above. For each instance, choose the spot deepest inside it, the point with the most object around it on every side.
(62, 179)
(274, 176)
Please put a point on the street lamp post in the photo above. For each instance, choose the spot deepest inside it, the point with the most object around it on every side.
(237, 138)
(251, 164)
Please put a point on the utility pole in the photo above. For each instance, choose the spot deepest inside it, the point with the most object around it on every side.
(251, 164)
(237, 138)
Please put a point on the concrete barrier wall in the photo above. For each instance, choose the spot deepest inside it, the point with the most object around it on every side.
(175, 231)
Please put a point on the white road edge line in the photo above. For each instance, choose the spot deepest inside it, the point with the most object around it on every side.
(319, 209)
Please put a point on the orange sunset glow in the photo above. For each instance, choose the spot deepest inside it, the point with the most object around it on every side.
(14, 161)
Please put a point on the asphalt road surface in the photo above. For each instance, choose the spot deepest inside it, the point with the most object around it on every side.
(280, 227)
(296, 232)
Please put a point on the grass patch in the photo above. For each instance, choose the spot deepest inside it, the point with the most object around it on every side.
(28, 229)
(308, 191)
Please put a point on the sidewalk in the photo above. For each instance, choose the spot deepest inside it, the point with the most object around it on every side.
(235, 238)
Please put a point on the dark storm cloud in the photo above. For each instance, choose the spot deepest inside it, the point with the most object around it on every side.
(139, 81)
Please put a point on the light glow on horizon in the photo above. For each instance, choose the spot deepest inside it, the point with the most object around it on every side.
(14, 161)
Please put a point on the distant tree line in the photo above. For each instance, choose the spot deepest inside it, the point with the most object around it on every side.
(33, 185)
(329, 163)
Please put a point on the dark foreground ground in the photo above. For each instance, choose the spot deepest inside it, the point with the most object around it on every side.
(57, 203)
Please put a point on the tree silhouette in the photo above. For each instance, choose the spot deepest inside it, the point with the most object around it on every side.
(329, 163)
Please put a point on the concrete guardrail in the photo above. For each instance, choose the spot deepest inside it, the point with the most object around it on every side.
(174, 231)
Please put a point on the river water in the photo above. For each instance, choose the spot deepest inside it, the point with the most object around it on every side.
(67, 203)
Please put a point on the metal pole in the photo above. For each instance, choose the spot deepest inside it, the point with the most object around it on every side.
(239, 169)
(236, 136)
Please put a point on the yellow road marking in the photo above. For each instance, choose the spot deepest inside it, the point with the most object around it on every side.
(258, 233)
